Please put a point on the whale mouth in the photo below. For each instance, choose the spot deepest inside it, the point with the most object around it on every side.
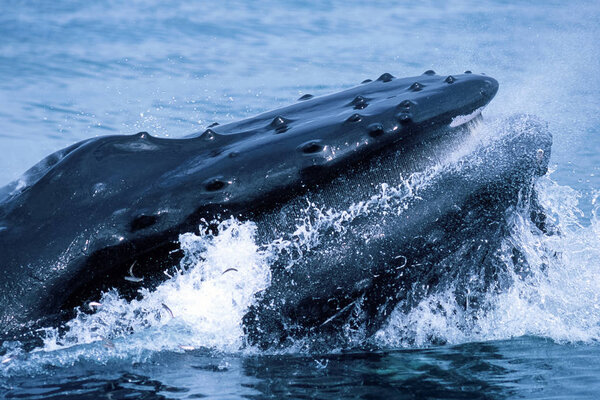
(463, 119)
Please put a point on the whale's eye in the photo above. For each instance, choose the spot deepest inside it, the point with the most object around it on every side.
(214, 184)
(311, 147)
(142, 222)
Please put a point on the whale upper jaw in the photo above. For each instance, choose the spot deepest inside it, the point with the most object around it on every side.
(397, 103)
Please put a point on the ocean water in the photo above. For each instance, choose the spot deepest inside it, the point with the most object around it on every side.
(74, 70)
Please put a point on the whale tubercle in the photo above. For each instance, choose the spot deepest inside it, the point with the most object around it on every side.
(307, 96)
(359, 102)
(385, 77)
(354, 118)
(416, 87)
(209, 135)
(406, 104)
(450, 79)
(404, 117)
(143, 135)
(280, 124)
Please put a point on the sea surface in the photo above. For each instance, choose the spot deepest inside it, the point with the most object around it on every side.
(74, 70)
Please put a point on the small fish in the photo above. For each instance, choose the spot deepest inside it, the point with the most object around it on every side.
(186, 347)
(339, 312)
(131, 277)
(404, 261)
(8, 359)
(168, 310)
(540, 155)
(229, 269)
(93, 304)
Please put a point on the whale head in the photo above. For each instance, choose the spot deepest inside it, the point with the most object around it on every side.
(93, 210)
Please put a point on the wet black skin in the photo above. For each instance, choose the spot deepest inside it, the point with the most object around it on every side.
(77, 220)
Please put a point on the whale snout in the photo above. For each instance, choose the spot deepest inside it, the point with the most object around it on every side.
(489, 88)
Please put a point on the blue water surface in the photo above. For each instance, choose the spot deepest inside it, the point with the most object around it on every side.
(72, 70)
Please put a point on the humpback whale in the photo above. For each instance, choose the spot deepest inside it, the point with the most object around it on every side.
(76, 222)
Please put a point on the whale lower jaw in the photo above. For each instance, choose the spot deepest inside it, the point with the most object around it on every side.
(443, 227)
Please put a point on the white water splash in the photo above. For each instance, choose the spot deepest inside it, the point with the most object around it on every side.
(200, 307)
(557, 299)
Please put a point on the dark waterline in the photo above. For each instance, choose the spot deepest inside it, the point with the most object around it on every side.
(524, 367)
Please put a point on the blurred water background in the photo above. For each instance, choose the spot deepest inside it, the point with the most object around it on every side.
(73, 70)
